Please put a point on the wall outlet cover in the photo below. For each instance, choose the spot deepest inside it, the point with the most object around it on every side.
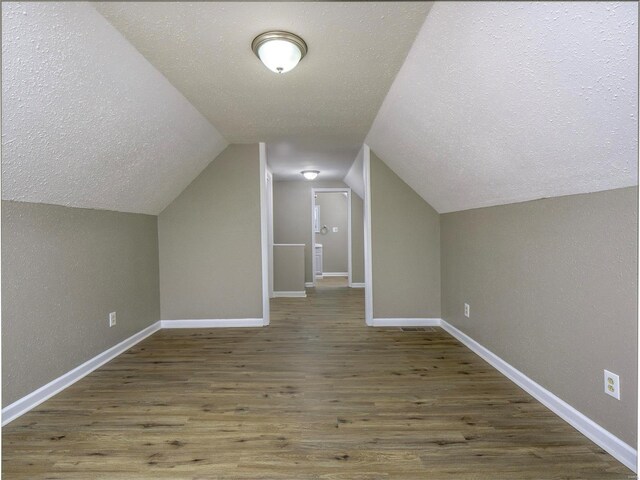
(112, 319)
(612, 384)
(466, 310)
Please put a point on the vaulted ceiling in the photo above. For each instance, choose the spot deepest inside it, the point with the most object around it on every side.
(204, 49)
(86, 120)
(501, 102)
(315, 116)
(471, 103)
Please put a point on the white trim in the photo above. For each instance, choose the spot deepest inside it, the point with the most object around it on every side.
(624, 453)
(346, 190)
(309, 284)
(214, 323)
(406, 322)
(264, 233)
(269, 184)
(349, 246)
(620, 450)
(35, 398)
(292, 294)
(368, 272)
(335, 274)
(357, 285)
(313, 239)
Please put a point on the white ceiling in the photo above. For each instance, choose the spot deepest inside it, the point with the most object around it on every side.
(496, 102)
(204, 49)
(355, 176)
(501, 102)
(86, 120)
(287, 159)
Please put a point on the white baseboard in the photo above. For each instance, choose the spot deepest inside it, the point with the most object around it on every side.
(293, 294)
(213, 323)
(309, 284)
(35, 398)
(357, 285)
(335, 274)
(406, 322)
(623, 452)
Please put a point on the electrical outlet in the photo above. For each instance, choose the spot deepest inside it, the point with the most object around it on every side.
(112, 319)
(335, 229)
(466, 310)
(612, 384)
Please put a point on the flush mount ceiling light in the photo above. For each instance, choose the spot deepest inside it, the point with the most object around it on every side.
(310, 174)
(279, 51)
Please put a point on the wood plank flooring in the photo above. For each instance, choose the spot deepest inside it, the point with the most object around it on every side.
(317, 395)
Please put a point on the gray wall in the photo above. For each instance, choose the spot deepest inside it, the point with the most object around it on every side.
(288, 268)
(357, 239)
(405, 248)
(209, 239)
(63, 270)
(335, 245)
(552, 289)
(292, 221)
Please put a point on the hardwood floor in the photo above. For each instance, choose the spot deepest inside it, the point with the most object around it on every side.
(317, 395)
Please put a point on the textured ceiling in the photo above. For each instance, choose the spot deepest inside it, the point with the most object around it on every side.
(86, 120)
(204, 49)
(355, 176)
(501, 102)
(496, 102)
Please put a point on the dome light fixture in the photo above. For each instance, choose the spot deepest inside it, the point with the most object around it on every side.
(310, 174)
(279, 51)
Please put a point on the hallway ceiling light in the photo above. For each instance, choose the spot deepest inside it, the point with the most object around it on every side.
(279, 51)
(310, 174)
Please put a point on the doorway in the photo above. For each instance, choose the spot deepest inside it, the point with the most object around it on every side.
(331, 237)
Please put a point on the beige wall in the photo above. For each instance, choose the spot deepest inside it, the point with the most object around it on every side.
(288, 268)
(63, 270)
(292, 221)
(209, 239)
(357, 239)
(552, 287)
(335, 245)
(405, 248)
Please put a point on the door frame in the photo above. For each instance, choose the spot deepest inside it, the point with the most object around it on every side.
(269, 179)
(315, 191)
(264, 233)
(368, 256)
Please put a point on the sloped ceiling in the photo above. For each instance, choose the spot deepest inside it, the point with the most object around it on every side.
(204, 49)
(86, 120)
(355, 176)
(495, 103)
(501, 102)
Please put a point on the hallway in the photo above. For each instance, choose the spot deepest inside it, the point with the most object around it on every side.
(332, 282)
(317, 395)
